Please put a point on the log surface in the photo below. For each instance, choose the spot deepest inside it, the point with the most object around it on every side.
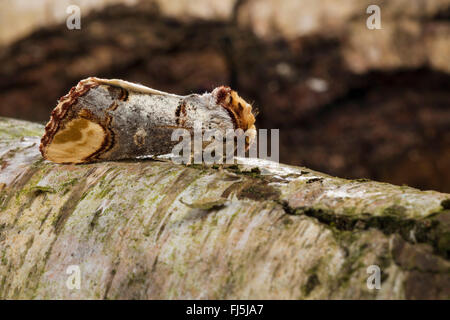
(258, 230)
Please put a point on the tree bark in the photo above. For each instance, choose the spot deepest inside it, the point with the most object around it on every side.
(258, 230)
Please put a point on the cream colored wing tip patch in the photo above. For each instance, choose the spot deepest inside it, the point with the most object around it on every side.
(77, 141)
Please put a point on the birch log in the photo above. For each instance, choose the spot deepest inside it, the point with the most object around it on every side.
(258, 230)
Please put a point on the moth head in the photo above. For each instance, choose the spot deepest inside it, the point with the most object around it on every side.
(240, 111)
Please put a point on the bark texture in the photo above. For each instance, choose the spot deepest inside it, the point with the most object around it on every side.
(257, 230)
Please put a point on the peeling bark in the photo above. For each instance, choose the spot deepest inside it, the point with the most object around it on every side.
(257, 230)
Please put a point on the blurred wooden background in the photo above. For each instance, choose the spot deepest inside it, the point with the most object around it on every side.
(348, 101)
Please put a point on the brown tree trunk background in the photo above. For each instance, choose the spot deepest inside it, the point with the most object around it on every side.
(348, 101)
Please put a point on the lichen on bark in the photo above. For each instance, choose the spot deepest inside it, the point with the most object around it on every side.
(257, 230)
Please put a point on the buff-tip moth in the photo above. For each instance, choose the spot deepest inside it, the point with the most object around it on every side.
(101, 119)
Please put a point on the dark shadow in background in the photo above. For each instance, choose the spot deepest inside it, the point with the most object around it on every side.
(387, 126)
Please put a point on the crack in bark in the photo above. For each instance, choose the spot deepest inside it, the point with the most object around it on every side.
(425, 231)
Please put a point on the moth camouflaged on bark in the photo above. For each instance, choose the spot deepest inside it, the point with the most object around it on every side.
(101, 119)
